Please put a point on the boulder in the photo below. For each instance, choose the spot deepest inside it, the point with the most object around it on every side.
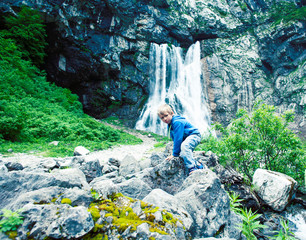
(15, 183)
(104, 187)
(168, 202)
(206, 201)
(80, 151)
(129, 165)
(92, 169)
(275, 189)
(134, 188)
(55, 221)
(168, 175)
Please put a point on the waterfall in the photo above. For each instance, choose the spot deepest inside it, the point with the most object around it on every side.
(177, 82)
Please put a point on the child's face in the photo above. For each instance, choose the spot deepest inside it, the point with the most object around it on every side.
(166, 117)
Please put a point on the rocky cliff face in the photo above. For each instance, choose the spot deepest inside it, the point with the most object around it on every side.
(100, 50)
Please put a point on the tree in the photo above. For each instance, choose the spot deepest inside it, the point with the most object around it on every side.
(28, 31)
(261, 139)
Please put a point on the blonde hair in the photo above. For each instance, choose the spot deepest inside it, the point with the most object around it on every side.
(165, 108)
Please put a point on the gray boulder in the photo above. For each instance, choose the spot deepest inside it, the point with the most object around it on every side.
(92, 169)
(105, 187)
(15, 183)
(170, 203)
(206, 201)
(134, 188)
(275, 189)
(129, 165)
(56, 221)
(80, 151)
(168, 175)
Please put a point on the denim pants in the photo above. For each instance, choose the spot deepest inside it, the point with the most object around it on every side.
(187, 147)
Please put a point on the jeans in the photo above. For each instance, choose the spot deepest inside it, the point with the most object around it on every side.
(187, 147)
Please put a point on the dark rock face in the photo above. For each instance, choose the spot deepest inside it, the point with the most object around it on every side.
(100, 50)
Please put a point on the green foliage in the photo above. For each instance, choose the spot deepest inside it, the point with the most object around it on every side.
(235, 204)
(250, 223)
(28, 31)
(34, 112)
(10, 220)
(260, 140)
(287, 12)
(284, 233)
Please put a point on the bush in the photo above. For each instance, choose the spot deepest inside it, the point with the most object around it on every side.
(260, 140)
(28, 31)
(34, 112)
(287, 12)
(10, 220)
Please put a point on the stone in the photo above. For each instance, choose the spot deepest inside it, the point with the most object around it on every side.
(80, 151)
(275, 189)
(206, 201)
(134, 188)
(170, 203)
(129, 165)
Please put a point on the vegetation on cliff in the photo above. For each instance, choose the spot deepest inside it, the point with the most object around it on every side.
(34, 112)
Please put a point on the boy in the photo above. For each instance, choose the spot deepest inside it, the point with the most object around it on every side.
(185, 137)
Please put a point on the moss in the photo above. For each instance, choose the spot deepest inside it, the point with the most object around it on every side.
(123, 216)
(12, 234)
(98, 227)
(150, 217)
(66, 201)
(95, 213)
(158, 230)
(143, 204)
(149, 209)
(99, 236)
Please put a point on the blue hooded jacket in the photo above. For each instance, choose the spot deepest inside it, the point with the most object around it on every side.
(180, 129)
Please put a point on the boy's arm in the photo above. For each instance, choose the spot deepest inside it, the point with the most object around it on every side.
(178, 134)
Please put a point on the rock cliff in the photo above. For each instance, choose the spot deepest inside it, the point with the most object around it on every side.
(100, 50)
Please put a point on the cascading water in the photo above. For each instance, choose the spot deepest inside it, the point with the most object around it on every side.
(177, 82)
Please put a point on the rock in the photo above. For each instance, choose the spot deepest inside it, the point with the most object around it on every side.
(80, 151)
(14, 183)
(129, 165)
(49, 164)
(104, 187)
(168, 175)
(76, 196)
(168, 202)
(13, 166)
(206, 202)
(157, 158)
(114, 161)
(134, 188)
(107, 168)
(92, 169)
(56, 221)
(55, 143)
(3, 168)
(71, 223)
(45, 195)
(275, 189)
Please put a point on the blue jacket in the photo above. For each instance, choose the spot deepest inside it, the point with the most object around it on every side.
(180, 129)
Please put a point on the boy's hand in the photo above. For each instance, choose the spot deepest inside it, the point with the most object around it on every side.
(170, 157)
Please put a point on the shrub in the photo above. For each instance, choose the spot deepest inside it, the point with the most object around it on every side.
(28, 31)
(260, 139)
(34, 112)
(10, 220)
(287, 12)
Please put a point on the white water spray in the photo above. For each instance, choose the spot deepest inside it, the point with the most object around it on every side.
(178, 83)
